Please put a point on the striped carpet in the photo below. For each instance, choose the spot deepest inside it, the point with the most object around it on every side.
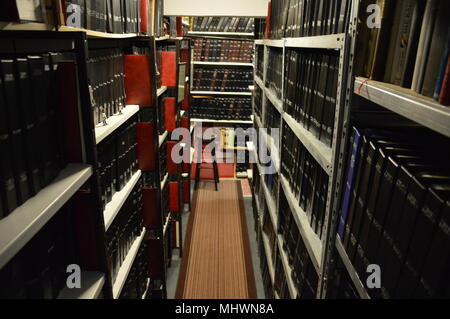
(217, 262)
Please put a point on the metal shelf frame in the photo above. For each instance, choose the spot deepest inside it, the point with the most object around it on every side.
(220, 93)
(420, 109)
(225, 64)
(328, 157)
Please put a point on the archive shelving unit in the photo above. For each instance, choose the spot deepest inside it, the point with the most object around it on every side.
(19, 227)
(329, 158)
(210, 94)
(399, 101)
(206, 94)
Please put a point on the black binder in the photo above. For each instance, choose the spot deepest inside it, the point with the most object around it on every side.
(8, 193)
(17, 150)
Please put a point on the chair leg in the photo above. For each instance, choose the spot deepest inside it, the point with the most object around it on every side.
(197, 175)
(216, 174)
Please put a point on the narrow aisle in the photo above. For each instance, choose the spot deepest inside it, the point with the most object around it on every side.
(217, 262)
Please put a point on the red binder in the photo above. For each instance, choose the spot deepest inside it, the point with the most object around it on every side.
(171, 165)
(170, 112)
(168, 68)
(155, 258)
(186, 167)
(173, 197)
(184, 122)
(85, 221)
(184, 55)
(173, 224)
(67, 76)
(444, 97)
(185, 104)
(186, 195)
(151, 215)
(145, 146)
(179, 27)
(144, 16)
(268, 20)
(138, 83)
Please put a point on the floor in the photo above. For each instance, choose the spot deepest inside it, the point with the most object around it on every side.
(234, 290)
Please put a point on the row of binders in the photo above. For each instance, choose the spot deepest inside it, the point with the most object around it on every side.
(341, 285)
(135, 286)
(124, 230)
(222, 79)
(257, 96)
(272, 118)
(38, 271)
(259, 68)
(106, 81)
(274, 77)
(410, 48)
(311, 80)
(113, 16)
(307, 179)
(395, 211)
(273, 256)
(211, 50)
(117, 160)
(304, 274)
(38, 134)
(233, 108)
(305, 18)
(264, 266)
(223, 24)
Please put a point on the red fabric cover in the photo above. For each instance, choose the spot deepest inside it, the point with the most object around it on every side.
(138, 83)
(145, 146)
(168, 68)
